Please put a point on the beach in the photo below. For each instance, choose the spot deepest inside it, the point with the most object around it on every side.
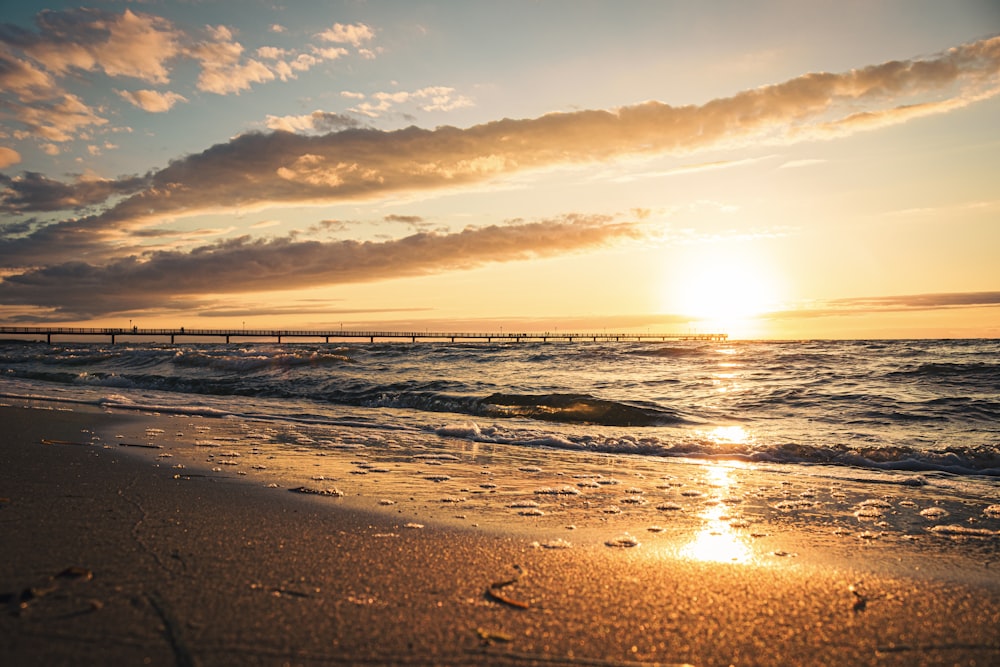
(113, 556)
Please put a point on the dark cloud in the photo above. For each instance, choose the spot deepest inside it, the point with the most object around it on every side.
(32, 191)
(244, 265)
(317, 121)
(330, 226)
(17, 228)
(408, 219)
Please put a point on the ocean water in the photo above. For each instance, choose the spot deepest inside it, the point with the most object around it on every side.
(836, 422)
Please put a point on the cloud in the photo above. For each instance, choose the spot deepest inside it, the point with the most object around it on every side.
(223, 69)
(60, 119)
(299, 309)
(72, 41)
(151, 100)
(920, 301)
(22, 79)
(432, 98)
(355, 34)
(330, 53)
(364, 163)
(408, 219)
(317, 121)
(271, 53)
(243, 265)
(685, 169)
(68, 43)
(798, 164)
(127, 44)
(34, 192)
(255, 171)
(8, 156)
(893, 304)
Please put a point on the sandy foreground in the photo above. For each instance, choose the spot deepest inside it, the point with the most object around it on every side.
(107, 558)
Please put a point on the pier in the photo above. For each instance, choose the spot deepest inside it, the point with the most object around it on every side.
(282, 335)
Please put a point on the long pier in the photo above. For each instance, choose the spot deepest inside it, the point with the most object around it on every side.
(280, 335)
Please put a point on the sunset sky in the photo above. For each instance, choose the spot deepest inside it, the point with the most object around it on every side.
(771, 169)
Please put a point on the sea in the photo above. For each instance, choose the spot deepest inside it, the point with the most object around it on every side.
(877, 438)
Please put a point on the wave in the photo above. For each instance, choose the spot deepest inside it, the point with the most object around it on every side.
(672, 351)
(684, 443)
(252, 360)
(964, 461)
(982, 374)
(579, 409)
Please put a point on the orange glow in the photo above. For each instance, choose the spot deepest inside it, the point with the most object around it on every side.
(723, 289)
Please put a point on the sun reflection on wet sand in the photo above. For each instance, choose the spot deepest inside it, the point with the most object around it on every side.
(716, 541)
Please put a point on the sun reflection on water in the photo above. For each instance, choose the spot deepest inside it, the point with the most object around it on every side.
(728, 435)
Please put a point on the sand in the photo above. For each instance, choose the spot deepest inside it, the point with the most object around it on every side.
(106, 558)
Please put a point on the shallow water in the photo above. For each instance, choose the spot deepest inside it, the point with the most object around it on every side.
(707, 451)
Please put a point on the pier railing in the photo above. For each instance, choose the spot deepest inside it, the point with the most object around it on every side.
(280, 335)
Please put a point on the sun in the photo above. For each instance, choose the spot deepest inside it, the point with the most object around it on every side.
(723, 289)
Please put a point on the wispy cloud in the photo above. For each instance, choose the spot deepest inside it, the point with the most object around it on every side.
(299, 309)
(798, 164)
(689, 169)
(921, 301)
(963, 207)
(893, 304)
(432, 98)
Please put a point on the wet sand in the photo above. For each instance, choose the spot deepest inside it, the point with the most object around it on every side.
(107, 558)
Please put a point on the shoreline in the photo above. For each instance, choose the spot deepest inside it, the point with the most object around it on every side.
(112, 558)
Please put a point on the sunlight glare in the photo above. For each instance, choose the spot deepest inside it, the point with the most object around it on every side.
(729, 435)
(723, 289)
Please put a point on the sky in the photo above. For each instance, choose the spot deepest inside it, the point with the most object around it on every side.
(776, 169)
